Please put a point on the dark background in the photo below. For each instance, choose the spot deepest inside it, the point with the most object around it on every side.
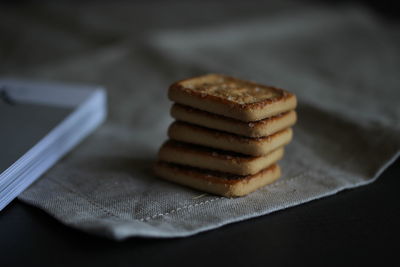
(355, 227)
(386, 8)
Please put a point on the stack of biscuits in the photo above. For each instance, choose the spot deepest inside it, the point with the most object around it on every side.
(227, 136)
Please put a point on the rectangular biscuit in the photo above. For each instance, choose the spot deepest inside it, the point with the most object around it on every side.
(190, 133)
(215, 182)
(231, 97)
(259, 128)
(217, 160)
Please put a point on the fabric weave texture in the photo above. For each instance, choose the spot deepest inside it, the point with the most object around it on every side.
(342, 64)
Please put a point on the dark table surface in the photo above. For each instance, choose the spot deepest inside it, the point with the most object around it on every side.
(354, 227)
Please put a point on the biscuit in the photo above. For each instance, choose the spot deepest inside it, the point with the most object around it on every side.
(251, 129)
(217, 160)
(231, 97)
(190, 133)
(223, 184)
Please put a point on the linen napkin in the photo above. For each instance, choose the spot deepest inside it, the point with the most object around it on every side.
(341, 63)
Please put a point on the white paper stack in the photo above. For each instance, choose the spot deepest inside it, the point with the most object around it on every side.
(39, 123)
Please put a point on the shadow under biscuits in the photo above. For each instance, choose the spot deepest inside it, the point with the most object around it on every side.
(340, 142)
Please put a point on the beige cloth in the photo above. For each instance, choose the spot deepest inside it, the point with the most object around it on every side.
(342, 63)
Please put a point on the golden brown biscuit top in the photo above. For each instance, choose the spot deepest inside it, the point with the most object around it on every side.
(230, 89)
